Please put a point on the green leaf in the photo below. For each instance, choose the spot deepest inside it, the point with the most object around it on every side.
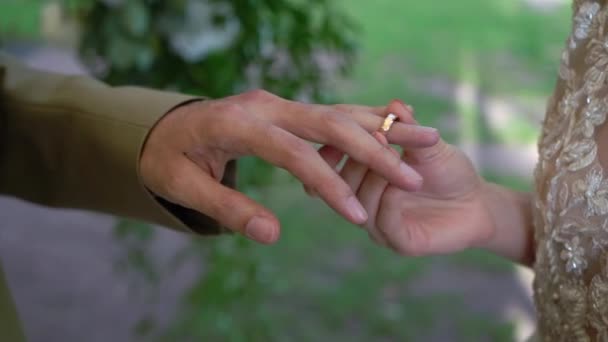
(135, 18)
(144, 58)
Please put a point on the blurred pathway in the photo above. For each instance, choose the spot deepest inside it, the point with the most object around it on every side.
(60, 269)
(546, 4)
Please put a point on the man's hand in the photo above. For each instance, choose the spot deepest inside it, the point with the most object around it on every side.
(186, 153)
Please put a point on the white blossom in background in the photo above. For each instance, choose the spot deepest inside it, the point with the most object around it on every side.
(195, 36)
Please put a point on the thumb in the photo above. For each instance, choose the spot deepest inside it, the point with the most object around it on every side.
(427, 155)
(199, 191)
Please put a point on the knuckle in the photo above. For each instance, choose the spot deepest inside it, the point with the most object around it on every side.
(257, 95)
(225, 203)
(439, 152)
(226, 116)
(342, 108)
(334, 121)
(230, 109)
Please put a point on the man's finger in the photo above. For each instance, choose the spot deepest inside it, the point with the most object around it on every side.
(287, 151)
(195, 189)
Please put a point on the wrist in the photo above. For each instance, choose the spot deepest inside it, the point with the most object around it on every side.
(511, 223)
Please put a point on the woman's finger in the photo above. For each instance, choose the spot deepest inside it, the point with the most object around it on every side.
(353, 173)
(402, 134)
(398, 107)
(405, 132)
(370, 194)
(332, 157)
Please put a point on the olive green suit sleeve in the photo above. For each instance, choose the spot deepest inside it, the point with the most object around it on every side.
(74, 142)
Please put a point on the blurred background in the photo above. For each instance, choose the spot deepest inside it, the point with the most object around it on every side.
(479, 70)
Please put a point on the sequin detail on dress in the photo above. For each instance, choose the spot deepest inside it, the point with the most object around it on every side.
(571, 200)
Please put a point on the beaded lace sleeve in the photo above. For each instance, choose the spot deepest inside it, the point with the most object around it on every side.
(571, 205)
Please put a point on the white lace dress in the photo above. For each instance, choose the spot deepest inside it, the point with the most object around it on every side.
(571, 199)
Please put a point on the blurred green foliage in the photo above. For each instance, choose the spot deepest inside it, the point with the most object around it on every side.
(220, 47)
(20, 19)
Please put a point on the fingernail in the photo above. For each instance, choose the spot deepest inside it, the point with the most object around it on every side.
(427, 129)
(406, 106)
(356, 210)
(261, 229)
(411, 175)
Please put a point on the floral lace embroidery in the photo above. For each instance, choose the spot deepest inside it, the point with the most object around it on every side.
(582, 22)
(571, 203)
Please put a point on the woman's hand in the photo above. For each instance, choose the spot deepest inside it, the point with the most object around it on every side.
(447, 214)
(186, 153)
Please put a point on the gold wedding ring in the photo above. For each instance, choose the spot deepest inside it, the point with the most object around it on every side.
(388, 123)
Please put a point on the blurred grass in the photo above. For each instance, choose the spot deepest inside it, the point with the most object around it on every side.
(517, 48)
(19, 18)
